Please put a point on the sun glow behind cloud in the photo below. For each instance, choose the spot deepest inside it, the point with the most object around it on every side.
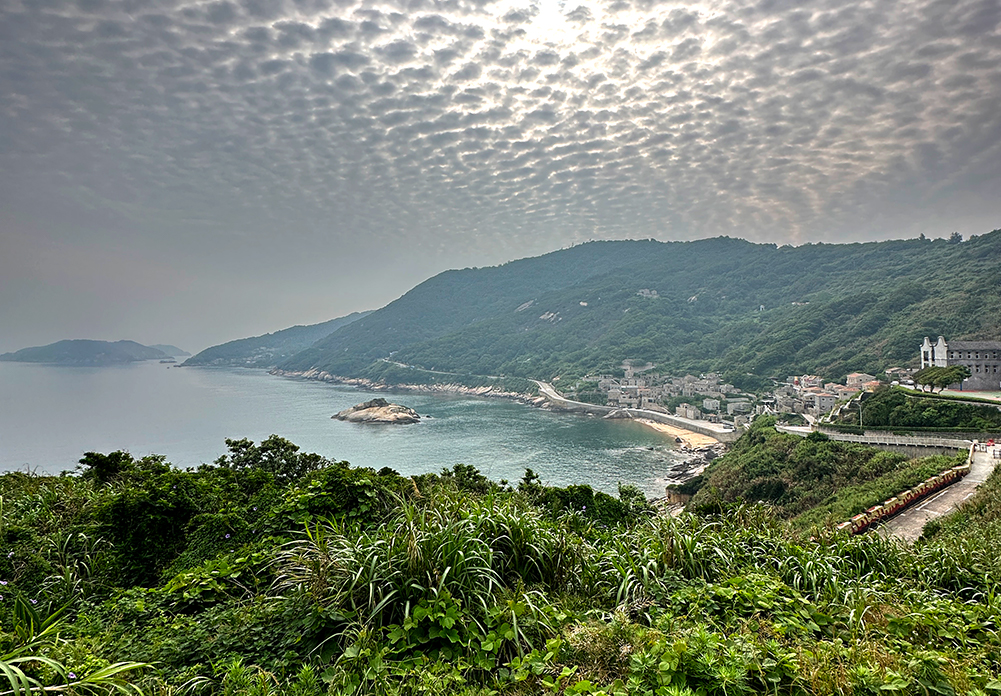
(271, 153)
(481, 121)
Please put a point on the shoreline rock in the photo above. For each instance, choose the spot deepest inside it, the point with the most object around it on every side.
(378, 411)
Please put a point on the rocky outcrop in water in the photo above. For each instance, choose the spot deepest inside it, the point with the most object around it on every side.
(378, 411)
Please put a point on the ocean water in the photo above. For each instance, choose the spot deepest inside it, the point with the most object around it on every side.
(50, 415)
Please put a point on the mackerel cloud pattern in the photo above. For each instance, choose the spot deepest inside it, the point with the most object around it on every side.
(468, 123)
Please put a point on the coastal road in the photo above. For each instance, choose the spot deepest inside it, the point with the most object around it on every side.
(908, 524)
(550, 393)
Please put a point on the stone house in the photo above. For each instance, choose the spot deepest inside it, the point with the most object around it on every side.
(857, 379)
(688, 411)
(983, 358)
(823, 402)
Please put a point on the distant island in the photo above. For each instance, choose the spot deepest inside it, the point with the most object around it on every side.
(90, 353)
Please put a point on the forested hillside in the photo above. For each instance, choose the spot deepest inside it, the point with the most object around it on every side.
(454, 300)
(722, 304)
(270, 349)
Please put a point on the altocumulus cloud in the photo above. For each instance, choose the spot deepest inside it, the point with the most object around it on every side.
(468, 123)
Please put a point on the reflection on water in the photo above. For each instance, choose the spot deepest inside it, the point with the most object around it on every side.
(50, 415)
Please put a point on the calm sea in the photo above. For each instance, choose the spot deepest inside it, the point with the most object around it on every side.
(50, 415)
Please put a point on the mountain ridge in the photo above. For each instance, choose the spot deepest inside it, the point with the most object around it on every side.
(720, 304)
(268, 349)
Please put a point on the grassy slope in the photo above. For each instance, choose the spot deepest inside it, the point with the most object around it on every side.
(814, 482)
(451, 585)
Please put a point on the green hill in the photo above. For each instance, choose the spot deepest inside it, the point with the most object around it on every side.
(86, 352)
(716, 304)
(813, 481)
(272, 348)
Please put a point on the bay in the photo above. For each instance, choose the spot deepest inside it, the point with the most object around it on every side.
(50, 415)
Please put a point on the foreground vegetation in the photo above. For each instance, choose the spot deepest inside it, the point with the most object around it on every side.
(276, 571)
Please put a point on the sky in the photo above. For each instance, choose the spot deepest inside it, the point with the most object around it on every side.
(185, 172)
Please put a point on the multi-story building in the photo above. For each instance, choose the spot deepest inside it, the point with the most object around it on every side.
(823, 402)
(983, 358)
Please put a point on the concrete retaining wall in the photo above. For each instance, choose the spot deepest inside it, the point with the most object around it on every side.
(685, 423)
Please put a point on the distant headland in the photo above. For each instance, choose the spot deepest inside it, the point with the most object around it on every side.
(84, 352)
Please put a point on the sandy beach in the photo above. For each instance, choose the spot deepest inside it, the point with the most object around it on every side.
(690, 439)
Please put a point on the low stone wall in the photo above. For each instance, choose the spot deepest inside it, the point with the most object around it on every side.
(580, 407)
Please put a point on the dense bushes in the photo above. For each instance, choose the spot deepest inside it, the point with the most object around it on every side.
(355, 581)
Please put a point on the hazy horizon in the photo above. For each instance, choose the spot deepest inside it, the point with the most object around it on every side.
(192, 172)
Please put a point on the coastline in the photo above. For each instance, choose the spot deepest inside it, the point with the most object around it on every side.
(698, 448)
(451, 388)
(690, 441)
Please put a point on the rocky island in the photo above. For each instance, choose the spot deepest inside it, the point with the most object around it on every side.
(378, 411)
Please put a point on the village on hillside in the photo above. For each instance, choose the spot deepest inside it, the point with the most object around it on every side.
(707, 397)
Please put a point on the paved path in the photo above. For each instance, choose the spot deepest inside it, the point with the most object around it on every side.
(908, 524)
